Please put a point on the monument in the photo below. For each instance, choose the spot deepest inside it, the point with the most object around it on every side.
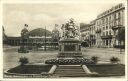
(70, 61)
(69, 44)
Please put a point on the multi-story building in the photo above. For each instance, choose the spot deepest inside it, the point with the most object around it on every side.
(107, 26)
(109, 23)
(88, 33)
(85, 32)
(92, 36)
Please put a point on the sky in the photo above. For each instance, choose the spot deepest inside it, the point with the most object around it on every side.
(39, 15)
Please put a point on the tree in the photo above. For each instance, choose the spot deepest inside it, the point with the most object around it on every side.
(121, 35)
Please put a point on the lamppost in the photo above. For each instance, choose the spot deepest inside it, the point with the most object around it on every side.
(24, 40)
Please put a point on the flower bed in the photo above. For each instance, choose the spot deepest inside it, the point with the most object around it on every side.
(74, 61)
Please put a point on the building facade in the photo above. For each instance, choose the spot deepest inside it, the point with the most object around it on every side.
(85, 32)
(38, 38)
(106, 27)
(92, 36)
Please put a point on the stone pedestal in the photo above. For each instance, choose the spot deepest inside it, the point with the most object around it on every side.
(69, 48)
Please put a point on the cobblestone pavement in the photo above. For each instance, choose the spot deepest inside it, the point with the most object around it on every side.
(11, 56)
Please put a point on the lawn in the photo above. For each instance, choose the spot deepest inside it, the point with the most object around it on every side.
(30, 69)
(108, 70)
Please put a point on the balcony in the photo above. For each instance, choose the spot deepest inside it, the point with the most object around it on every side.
(117, 27)
(106, 37)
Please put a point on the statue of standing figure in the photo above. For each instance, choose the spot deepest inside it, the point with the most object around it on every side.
(70, 30)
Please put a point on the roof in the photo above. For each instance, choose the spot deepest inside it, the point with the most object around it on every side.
(39, 32)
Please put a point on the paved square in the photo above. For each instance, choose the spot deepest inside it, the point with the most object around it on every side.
(11, 56)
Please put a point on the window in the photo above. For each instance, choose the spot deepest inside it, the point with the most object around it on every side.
(79, 47)
(115, 16)
(119, 17)
(114, 19)
(110, 32)
(106, 20)
(106, 42)
(60, 48)
(92, 28)
(106, 33)
(110, 41)
(120, 5)
(109, 18)
(106, 27)
(102, 22)
(103, 28)
(103, 33)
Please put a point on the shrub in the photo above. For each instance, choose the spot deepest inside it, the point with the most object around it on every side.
(114, 60)
(94, 59)
(23, 60)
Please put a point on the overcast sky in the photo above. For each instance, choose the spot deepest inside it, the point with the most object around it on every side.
(48, 14)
